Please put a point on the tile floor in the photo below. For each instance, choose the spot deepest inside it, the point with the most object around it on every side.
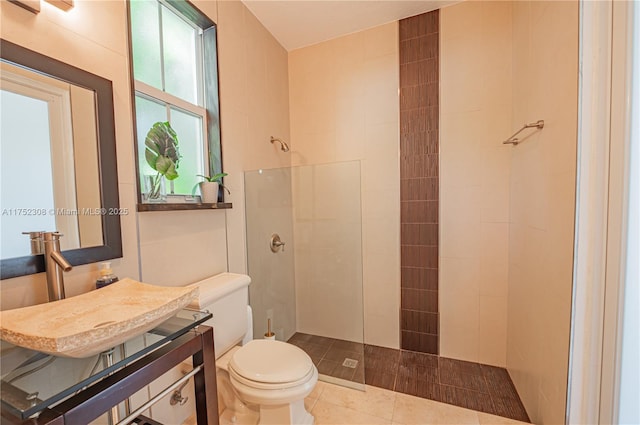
(333, 404)
(479, 387)
(336, 405)
(329, 354)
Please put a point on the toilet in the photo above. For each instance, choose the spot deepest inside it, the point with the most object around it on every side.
(259, 381)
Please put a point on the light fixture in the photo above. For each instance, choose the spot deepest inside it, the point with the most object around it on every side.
(61, 4)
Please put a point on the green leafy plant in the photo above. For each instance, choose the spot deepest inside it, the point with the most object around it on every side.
(216, 178)
(162, 154)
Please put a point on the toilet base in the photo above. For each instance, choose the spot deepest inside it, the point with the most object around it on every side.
(287, 414)
(250, 406)
(231, 416)
(237, 412)
(293, 413)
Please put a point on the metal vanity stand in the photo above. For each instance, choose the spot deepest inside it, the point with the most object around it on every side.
(40, 389)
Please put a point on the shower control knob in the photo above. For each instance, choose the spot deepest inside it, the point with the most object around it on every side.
(276, 243)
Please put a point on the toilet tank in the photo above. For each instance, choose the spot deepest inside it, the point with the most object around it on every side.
(226, 296)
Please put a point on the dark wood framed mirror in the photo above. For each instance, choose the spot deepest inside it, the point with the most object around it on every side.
(96, 234)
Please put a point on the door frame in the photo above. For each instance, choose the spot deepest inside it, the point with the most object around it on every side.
(606, 31)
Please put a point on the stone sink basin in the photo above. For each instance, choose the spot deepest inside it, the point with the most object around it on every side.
(93, 322)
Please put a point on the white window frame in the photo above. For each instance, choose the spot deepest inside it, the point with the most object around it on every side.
(151, 93)
(58, 101)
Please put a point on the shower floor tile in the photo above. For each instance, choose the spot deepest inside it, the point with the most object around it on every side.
(329, 355)
(483, 388)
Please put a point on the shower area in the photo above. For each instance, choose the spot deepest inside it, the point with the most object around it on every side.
(304, 239)
(420, 252)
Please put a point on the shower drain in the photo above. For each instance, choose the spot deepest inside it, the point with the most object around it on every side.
(350, 363)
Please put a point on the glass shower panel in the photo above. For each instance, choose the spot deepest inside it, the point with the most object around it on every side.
(272, 290)
(312, 292)
(328, 257)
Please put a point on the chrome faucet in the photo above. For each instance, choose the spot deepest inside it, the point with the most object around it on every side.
(54, 262)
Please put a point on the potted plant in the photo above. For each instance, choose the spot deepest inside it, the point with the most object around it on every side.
(162, 155)
(209, 187)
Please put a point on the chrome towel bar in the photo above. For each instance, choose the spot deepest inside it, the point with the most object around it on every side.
(128, 420)
(513, 140)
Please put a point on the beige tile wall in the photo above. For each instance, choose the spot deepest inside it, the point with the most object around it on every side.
(507, 213)
(344, 106)
(254, 102)
(545, 86)
(475, 116)
(327, 223)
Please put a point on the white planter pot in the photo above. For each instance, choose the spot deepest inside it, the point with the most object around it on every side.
(209, 192)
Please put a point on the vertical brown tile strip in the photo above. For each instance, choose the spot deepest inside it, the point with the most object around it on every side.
(419, 177)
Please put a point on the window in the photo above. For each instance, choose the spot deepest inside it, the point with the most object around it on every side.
(175, 75)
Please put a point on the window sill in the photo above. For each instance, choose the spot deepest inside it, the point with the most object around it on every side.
(183, 206)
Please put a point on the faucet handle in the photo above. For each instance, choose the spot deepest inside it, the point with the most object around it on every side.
(34, 234)
(37, 240)
(52, 236)
(275, 243)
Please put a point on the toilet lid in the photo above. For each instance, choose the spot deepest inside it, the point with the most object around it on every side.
(267, 361)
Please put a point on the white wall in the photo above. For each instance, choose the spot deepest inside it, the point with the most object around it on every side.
(475, 117)
(344, 106)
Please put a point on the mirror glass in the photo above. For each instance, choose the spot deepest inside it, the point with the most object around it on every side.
(57, 161)
(49, 161)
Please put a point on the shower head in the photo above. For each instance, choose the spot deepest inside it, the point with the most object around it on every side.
(283, 145)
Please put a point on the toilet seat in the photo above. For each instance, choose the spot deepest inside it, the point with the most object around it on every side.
(272, 372)
(271, 395)
(266, 385)
(271, 364)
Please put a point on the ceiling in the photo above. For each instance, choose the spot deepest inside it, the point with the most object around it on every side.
(299, 23)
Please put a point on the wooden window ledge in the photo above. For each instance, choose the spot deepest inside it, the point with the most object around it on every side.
(183, 206)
